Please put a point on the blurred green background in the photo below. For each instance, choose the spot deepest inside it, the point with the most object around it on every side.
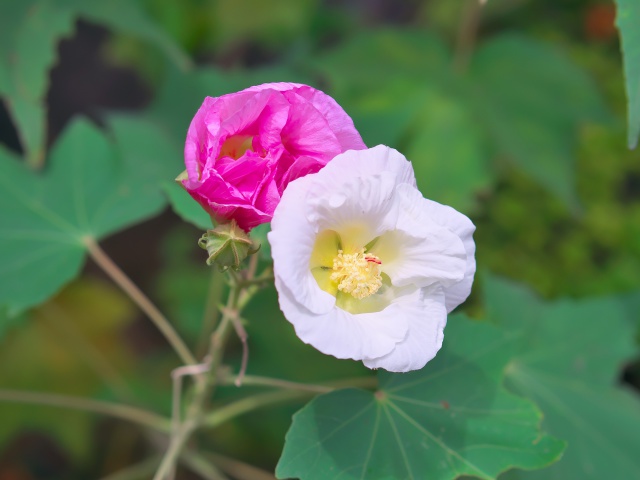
(513, 113)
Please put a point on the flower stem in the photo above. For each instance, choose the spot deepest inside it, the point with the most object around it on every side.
(203, 390)
(291, 391)
(130, 288)
(276, 382)
(235, 409)
(211, 313)
(124, 412)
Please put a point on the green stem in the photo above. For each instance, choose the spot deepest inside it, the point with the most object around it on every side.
(293, 391)
(254, 402)
(276, 382)
(131, 289)
(210, 314)
(124, 412)
(203, 389)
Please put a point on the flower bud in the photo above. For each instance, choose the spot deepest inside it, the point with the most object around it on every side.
(228, 245)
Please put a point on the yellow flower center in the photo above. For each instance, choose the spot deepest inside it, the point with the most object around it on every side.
(236, 146)
(357, 273)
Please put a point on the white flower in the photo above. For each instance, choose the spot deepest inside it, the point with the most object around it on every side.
(365, 267)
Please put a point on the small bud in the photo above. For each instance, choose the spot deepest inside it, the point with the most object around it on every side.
(228, 245)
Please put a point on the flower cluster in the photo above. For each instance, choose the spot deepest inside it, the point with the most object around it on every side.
(365, 267)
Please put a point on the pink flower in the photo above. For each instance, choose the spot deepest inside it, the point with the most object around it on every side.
(243, 149)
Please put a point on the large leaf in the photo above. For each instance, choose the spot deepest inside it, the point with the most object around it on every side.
(28, 48)
(628, 20)
(520, 100)
(531, 100)
(449, 155)
(93, 188)
(450, 419)
(30, 32)
(568, 359)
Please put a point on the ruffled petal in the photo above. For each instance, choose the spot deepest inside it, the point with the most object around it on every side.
(340, 333)
(359, 209)
(360, 163)
(463, 227)
(292, 239)
(419, 251)
(341, 124)
(427, 316)
(336, 117)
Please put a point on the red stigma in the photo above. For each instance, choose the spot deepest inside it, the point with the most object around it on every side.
(373, 260)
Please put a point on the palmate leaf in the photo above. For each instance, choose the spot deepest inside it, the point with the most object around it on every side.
(28, 45)
(519, 100)
(628, 19)
(531, 101)
(92, 188)
(28, 40)
(452, 418)
(568, 358)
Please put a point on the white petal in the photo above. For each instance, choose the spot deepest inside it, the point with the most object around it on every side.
(463, 227)
(292, 239)
(360, 163)
(420, 251)
(359, 209)
(342, 334)
(427, 318)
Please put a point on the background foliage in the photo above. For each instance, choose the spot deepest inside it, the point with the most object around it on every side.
(518, 114)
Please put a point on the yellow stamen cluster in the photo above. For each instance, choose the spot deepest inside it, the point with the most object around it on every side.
(357, 273)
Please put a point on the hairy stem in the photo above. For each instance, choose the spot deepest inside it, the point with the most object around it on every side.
(131, 289)
(124, 412)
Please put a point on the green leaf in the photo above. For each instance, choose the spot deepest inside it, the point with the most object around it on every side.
(628, 19)
(92, 188)
(452, 418)
(379, 79)
(27, 52)
(28, 48)
(520, 100)
(568, 357)
(449, 155)
(531, 100)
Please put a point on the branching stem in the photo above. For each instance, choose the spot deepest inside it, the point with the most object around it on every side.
(131, 289)
(124, 412)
